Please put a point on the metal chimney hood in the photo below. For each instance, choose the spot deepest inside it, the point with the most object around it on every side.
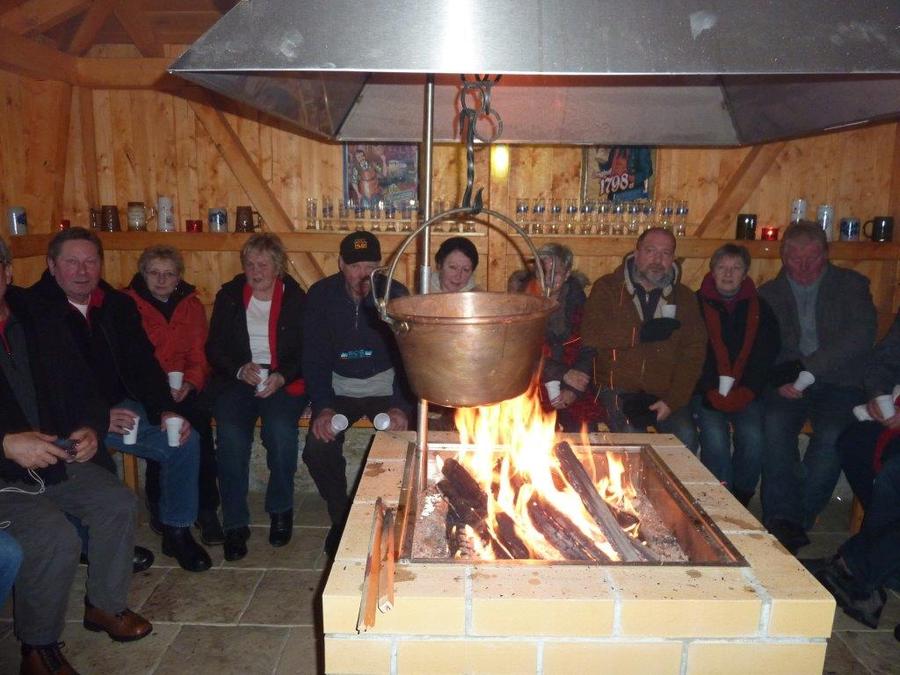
(669, 72)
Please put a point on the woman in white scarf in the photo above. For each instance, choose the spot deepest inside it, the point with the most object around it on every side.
(456, 260)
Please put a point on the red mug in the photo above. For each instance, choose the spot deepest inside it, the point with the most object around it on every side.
(769, 234)
(193, 225)
(64, 224)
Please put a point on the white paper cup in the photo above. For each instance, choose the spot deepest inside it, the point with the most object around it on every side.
(668, 312)
(896, 391)
(553, 389)
(176, 379)
(862, 413)
(131, 437)
(263, 376)
(804, 379)
(339, 423)
(173, 430)
(726, 382)
(885, 405)
(382, 421)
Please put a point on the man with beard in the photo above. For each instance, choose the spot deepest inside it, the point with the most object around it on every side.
(351, 367)
(650, 341)
(827, 322)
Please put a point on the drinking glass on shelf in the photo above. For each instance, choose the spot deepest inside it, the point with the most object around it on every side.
(555, 210)
(438, 206)
(521, 210)
(312, 213)
(407, 207)
(538, 212)
(390, 217)
(604, 216)
(376, 210)
(327, 213)
(632, 224)
(617, 220)
(587, 216)
(344, 215)
(469, 226)
(667, 211)
(681, 214)
(359, 216)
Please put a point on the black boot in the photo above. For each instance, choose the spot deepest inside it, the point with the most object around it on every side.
(141, 560)
(178, 543)
(236, 543)
(743, 497)
(154, 521)
(282, 528)
(211, 532)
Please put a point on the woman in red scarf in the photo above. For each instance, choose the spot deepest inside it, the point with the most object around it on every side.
(743, 344)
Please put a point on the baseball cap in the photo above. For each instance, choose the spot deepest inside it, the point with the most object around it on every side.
(360, 247)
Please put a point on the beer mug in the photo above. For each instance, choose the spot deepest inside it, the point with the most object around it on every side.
(882, 228)
(244, 221)
(18, 221)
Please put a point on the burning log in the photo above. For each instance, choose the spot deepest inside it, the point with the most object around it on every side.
(581, 482)
(562, 534)
(508, 544)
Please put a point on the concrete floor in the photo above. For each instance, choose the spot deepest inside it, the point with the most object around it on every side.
(263, 614)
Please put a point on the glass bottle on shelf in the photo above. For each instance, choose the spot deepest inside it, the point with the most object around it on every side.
(312, 213)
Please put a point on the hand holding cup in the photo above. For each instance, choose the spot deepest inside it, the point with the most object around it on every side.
(804, 380)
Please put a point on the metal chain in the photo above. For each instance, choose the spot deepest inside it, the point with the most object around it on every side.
(480, 88)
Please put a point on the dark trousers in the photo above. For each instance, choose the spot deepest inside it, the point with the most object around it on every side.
(236, 411)
(873, 554)
(51, 547)
(739, 470)
(792, 489)
(197, 411)
(680, 423)
(326, 462)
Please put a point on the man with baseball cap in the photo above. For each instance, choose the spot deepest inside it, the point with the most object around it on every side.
(351, 367)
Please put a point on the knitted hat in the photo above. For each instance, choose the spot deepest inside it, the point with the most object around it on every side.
(360, 247)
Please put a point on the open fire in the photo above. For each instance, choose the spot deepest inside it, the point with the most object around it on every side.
(514, 490)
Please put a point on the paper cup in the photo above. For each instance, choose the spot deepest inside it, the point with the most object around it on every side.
(382, 421)
(553, 389)
(804, 379)
(885, 405)
(173, 431)
(896, 391)
(131, 437)
(176, 379)
(263, 376)
(862, 413)
(668, 312)
(339, 423)
(726, 382)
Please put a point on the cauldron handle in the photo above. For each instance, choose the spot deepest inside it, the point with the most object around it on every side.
(381, 303)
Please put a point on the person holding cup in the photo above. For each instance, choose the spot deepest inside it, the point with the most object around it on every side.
(175, 321)
(105, 326)
(827, 325)
(743, 343)
(254, 348)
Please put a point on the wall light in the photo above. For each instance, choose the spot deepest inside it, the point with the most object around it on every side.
(499, 161)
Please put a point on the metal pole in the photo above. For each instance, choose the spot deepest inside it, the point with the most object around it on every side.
(425, 266)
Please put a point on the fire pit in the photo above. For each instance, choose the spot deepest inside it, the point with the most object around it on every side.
(738, 603)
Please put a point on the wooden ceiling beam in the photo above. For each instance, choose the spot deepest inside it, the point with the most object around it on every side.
(719, 220)
(133, 18)
(90, 26)
(28, 57)
(36, 16)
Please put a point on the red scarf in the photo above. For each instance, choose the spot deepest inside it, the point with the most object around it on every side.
(298, 386)
(884, 438)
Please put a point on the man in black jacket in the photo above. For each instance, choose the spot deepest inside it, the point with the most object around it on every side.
(105, 327)
(50, 417)
(351, 367)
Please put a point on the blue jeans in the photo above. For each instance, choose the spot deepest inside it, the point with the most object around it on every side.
(179, 466)
(10, 559)
(680, 423)
(738, 471)
(792, 489)
(236, 412)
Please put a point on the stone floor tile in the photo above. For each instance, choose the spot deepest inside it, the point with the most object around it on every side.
(839, 660)
(311, 510)
(302, 552)
(224, 650)
(877, 650)
(95, 653)
(215, 596)
(286, 597)
(304, 652)
(822, 544)
(890, 617)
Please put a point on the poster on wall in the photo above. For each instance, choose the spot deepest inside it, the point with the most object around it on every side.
(380, 173)
(617, 173)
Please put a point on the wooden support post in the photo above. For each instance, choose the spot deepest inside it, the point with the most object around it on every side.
(37, 16)
(740, 186)
(88, 146)
(90, 25)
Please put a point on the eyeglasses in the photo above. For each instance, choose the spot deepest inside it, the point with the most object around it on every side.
(162, 276)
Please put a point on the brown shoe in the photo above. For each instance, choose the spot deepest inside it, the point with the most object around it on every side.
(45, 660)
(124, 626)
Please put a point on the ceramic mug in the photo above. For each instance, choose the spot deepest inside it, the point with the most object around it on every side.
(746, 226)
(18, 221)
(244, 221)
(109, 218)
(882, 228)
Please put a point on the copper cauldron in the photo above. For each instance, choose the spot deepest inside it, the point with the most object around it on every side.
(468, 349)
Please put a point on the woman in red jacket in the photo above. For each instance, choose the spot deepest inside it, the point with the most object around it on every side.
(175, 321)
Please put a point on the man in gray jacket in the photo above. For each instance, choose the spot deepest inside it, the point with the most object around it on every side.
(827, 324)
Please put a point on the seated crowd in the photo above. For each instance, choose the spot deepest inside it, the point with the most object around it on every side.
(733, 371)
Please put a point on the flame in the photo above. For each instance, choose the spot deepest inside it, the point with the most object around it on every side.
(508, 449)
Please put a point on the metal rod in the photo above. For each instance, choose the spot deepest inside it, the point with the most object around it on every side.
(425, 260)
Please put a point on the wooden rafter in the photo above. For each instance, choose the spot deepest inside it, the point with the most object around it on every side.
(90, 25)
(88, 145)
(128, 73)
(37, 16)
(133, 18)
(27, 57)
(739, 188)
(248, 175)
